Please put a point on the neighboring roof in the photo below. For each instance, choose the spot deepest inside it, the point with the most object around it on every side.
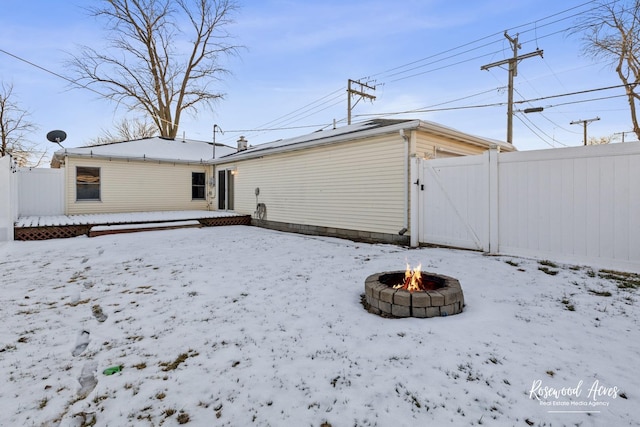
(366, 129)
(153, 149)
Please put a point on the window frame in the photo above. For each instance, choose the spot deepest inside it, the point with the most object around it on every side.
(80, 195)
(196, 186)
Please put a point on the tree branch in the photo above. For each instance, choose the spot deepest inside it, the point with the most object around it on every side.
(156, 63)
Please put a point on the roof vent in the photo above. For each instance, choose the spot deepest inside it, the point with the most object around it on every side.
(242, 144)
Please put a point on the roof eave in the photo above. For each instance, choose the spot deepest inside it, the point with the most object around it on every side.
(58, 156)
(429, 127)
(352, 136)
(448, 132)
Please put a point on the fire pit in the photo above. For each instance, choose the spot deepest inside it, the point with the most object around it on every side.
(413, 293)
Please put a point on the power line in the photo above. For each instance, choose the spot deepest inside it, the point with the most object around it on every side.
(586, 100)
(432, 110)
(330, 100)
(500, 104)
(294, 115)
(541, 114)
(465, 97)
(46, 70)
(538, 130)
(544, 116)
(441, 67)
(580, 92)
(262, 129)
(73, 82)
(434, 56)
(276, 120)
(270, 129)
(301, 110)
(473, 45)
(282, 122)
(399, 71)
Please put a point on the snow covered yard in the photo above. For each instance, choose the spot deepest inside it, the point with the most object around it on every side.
(240, 326)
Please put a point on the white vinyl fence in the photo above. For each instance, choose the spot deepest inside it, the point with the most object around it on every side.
(28, 192)
(8, 198)
(40, 192)
(578, 205)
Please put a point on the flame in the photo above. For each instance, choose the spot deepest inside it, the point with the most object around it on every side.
(412, 279)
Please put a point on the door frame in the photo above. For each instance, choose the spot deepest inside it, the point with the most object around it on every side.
(225, 190)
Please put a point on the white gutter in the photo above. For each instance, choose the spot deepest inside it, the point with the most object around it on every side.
(144, 158)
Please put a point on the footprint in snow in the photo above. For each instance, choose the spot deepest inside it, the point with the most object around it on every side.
(87, 380)
(82, 342)
(98, 313)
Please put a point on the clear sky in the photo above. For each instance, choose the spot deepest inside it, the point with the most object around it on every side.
(292, 74)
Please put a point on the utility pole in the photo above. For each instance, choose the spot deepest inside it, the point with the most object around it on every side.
(513, 71)
(584, 123)
(623, 134)
(361, 93)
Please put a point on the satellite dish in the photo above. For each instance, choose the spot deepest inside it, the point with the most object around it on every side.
(57, 136)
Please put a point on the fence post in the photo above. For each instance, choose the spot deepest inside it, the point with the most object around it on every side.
(7, 198)
(416, 206)
(494, 214)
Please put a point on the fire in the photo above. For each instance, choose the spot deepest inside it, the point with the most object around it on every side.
(412, 279)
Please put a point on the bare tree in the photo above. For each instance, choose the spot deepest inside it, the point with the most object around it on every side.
(127, 130)
(595, 140)
(14, 127)
(610, 31)
(164, 56)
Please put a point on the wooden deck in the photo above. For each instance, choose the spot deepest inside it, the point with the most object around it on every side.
(63, 226)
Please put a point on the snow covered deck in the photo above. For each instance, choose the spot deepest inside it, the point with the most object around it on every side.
(118, 218)
(60, 226)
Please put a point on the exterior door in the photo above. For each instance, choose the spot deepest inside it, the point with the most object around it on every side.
(225, 190)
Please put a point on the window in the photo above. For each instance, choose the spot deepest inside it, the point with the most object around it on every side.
(197, 186)
(87, 183)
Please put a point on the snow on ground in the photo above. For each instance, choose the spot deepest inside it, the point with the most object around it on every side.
(240, 326)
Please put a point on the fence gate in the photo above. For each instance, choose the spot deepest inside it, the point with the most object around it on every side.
(454, 207)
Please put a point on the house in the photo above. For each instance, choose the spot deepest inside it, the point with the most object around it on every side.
(353, 182)
(150, 174)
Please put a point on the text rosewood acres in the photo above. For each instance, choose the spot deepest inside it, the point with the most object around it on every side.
(595, 393)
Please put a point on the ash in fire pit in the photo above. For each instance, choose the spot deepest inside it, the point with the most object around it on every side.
(413, 293)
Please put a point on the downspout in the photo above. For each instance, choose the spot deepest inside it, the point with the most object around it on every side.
(405, 225)
(208, 186)
(66, 183)
(212, 188)
(416, 185)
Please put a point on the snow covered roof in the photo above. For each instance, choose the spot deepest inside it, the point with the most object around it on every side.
(357, 131)
(155, 148)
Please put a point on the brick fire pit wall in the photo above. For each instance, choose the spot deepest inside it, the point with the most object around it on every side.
(447, 299)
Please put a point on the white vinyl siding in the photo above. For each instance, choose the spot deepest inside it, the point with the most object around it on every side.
(357, 185)
(436, 147)
(135, 187)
